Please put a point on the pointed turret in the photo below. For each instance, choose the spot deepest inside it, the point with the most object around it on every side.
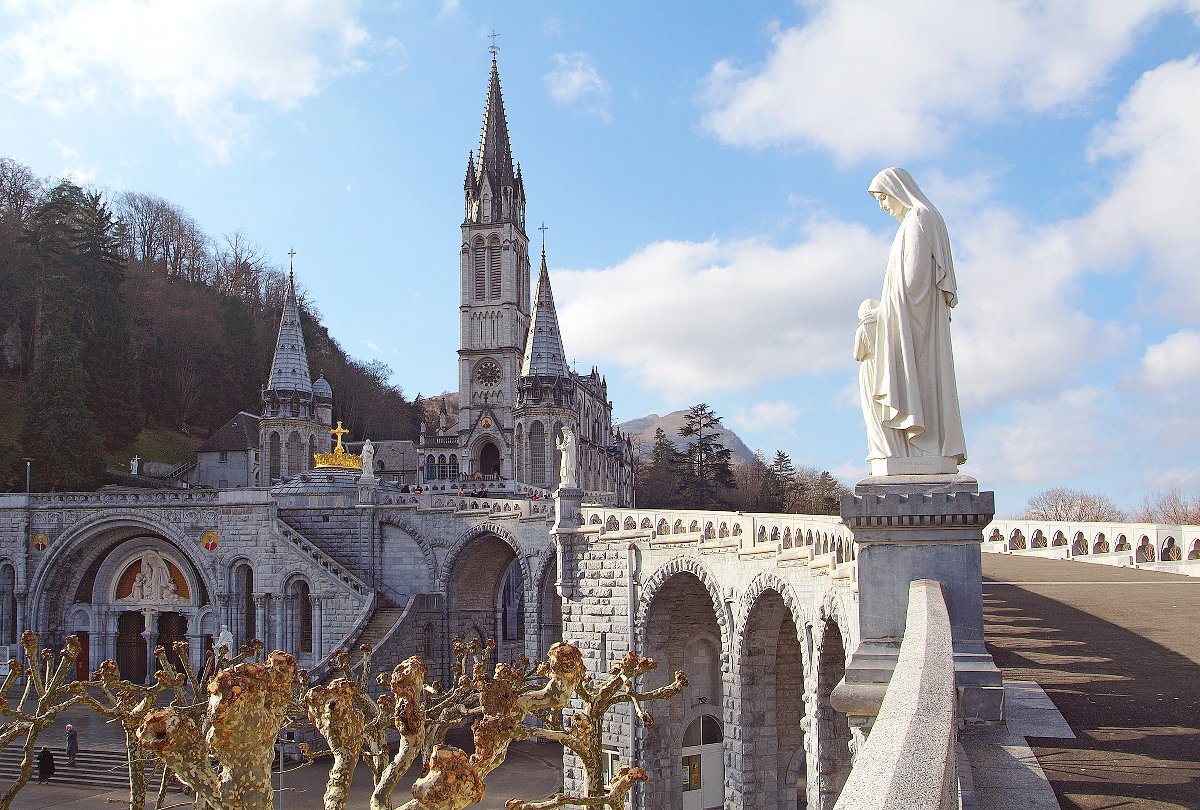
(289, 369)
(494, 191)
(544, 353)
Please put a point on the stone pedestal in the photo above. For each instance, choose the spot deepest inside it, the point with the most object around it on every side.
(909, 527)
(568, 520)
(368, 489)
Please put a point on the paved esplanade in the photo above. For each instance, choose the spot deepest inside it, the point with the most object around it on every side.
(1117, 651)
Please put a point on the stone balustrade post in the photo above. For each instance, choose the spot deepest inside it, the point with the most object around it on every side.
(568, 520)
(910, 527)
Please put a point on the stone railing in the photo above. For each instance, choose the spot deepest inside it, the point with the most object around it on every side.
(120, 497)
(1169, 547)
(822, 540)
(908, 760)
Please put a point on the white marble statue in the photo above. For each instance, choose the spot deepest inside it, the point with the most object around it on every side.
(864, 353)
(368, 459)
(225, 639)
(568, 471)
(912, 391)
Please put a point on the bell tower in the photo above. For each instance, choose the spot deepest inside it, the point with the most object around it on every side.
(494, 294)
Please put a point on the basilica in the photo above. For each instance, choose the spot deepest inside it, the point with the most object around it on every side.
(516, 391)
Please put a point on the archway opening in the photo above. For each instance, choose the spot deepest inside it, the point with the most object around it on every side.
(483, 574)
(489, 459)
(550, 618)
(681, 633)
(833, 728)
(772, 703)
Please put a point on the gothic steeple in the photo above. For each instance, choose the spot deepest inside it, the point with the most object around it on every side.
(289, 369)
(495, 192)
(544, 353)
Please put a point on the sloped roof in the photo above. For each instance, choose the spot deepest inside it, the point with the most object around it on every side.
(544, 353)
(239, 433)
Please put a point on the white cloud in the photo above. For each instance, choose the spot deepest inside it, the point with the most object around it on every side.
(574, 80)
(778, 416)
(718, 315)
(908, 74)
(1174, 362)
(213, 64)
(1151, 209)
(1048, 441)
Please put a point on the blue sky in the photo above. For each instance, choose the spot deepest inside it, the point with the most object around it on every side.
(702, 170)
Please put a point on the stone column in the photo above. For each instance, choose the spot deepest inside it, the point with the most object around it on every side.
(318, 628)
(280, 641)
(261, 601)
(21, 626)
(151, 634)
(909, 527)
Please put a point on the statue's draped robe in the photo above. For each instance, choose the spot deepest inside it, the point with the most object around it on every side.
(914, 386)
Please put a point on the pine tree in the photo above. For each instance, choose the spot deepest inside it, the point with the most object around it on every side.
(777, 482)
(658, 480)
(706, 478)
(59, 433)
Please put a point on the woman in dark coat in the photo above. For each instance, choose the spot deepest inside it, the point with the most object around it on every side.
(45, 764)
(72, 744)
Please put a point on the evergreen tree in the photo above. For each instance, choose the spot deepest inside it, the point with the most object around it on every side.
(706, 478)
(59, 433)
(778, 481)
(658, 479)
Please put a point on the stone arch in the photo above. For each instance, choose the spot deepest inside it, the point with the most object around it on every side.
(1059, 539)
(8, 602)
(1145, 550)
(682, 625)
(549, 608)
(1122, 543)
(1170, 551)
(1100, 546)
(298, 627)
(475, 603)
(646, 524)
(630, 523)
(612, 524)
(771, 666)
(833, 728)
(1037, 539)
(1079, 544)
(80, 550)
(1016, 541)
(662, 528)
(1194, 551)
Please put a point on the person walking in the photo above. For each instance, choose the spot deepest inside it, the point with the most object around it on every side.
(72, 744)
(45, 764)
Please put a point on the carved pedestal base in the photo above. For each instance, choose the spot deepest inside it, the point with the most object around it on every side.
(913, 465)
(909, 527)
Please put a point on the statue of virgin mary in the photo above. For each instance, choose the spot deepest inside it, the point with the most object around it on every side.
(913, 393)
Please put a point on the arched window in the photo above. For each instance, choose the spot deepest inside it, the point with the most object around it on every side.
(494, 268)
(430, 468)
(453, 467)
(519, 461)
(537, 454)
(245, 624)
(443, 467)
(300, 617)
(295, 452)
(8, 605)
(275, 457)
(480, 268)
(512, 605)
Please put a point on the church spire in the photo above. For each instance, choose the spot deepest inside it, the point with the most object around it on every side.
(544, 353)
(495, 191)
(289, 369)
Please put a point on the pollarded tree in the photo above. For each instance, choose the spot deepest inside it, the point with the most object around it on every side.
(706, 471)
(1060, 503)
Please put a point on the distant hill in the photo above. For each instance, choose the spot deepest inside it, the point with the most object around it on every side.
(645, 428)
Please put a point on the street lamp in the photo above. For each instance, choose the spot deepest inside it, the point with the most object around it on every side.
(28, 465)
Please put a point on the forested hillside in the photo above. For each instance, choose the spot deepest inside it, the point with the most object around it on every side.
(120, 318)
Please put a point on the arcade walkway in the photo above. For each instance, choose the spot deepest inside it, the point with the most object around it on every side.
(1118, 651)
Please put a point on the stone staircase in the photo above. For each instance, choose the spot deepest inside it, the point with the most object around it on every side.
(293, 538)
(105, 769)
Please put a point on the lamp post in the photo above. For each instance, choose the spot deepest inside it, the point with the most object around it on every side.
(28, 466)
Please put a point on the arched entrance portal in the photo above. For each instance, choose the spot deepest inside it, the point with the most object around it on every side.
(833, 728)
(124, 588)
(681, 633)
(489, 459)
(487, 595)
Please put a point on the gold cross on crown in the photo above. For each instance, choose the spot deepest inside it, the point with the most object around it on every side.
(339, 432)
